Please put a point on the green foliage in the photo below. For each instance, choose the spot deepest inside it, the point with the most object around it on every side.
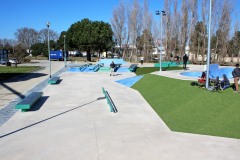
(20, 53)
(146, 40)
(60, 41)
(197, 37)
(89, 36)
(186, 108)
(234, 44)
(39, 49)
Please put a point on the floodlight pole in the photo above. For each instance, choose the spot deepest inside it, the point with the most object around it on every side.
(49, 57)
(161, 46)
(209, 43)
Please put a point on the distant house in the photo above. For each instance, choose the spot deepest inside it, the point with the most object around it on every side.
(3, 54)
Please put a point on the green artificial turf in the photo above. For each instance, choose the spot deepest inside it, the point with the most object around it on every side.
(10, 72)
(187, 108)
(146, 70)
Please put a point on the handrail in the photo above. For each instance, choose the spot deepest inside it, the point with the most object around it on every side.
(96, 67)
(110, 102)
(83, 67)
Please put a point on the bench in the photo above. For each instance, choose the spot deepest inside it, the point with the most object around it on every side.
(29, 101)
(110, 102)
(53, 80)
(133, 67)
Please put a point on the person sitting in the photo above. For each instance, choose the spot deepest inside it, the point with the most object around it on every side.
(236, 76)
(225, 82)
(217, 83)
(202, 78)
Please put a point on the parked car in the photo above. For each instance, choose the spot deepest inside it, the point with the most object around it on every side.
(13, 61)
(3, 61)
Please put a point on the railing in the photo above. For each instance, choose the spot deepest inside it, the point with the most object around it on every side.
(110, 102)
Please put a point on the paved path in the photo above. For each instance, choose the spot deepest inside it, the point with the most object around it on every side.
(73, 121)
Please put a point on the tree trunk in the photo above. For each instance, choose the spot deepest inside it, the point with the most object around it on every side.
(232, 60)
(216, 51)
(88, 55)
(123, 54)
(238, 56)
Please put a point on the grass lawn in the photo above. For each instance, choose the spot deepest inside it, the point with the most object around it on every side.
(186, 108)
(10, 72)
(146, 70)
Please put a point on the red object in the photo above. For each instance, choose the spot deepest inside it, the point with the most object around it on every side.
(201, 80)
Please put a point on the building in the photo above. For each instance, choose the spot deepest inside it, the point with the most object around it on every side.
(3, 54)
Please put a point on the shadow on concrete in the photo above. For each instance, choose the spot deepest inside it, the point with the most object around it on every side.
(20, 78)
(17, 77)
(39, 104)
(101, 98)
(59, 81)
(47, 119)
(12, 90)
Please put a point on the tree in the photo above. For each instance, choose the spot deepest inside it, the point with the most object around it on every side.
(90, 36)
(224, 29)
(20, 53)
(135, 23)
(184, 26)
(8, 44)
(197, 39)
(39, 48)
(236, 44)
(43, 35)
(60, 41)
(145, 42)
(26, 37)
(103, 36)
(118, 24)
(147, 27)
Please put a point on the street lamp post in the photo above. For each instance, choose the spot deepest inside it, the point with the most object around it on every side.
(162, 13)
(209, 43)
(65, 56)
(48, 25)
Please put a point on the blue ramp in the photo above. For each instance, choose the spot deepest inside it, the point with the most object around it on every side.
(129, 82)
(123, 69)
(214, 71)
(192, 74)
(227, 71)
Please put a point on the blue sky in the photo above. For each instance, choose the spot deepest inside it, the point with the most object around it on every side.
(61, 13)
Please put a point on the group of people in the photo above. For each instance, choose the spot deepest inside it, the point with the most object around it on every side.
(224, 83)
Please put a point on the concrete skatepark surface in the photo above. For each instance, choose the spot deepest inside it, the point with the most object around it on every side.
(72, 121)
